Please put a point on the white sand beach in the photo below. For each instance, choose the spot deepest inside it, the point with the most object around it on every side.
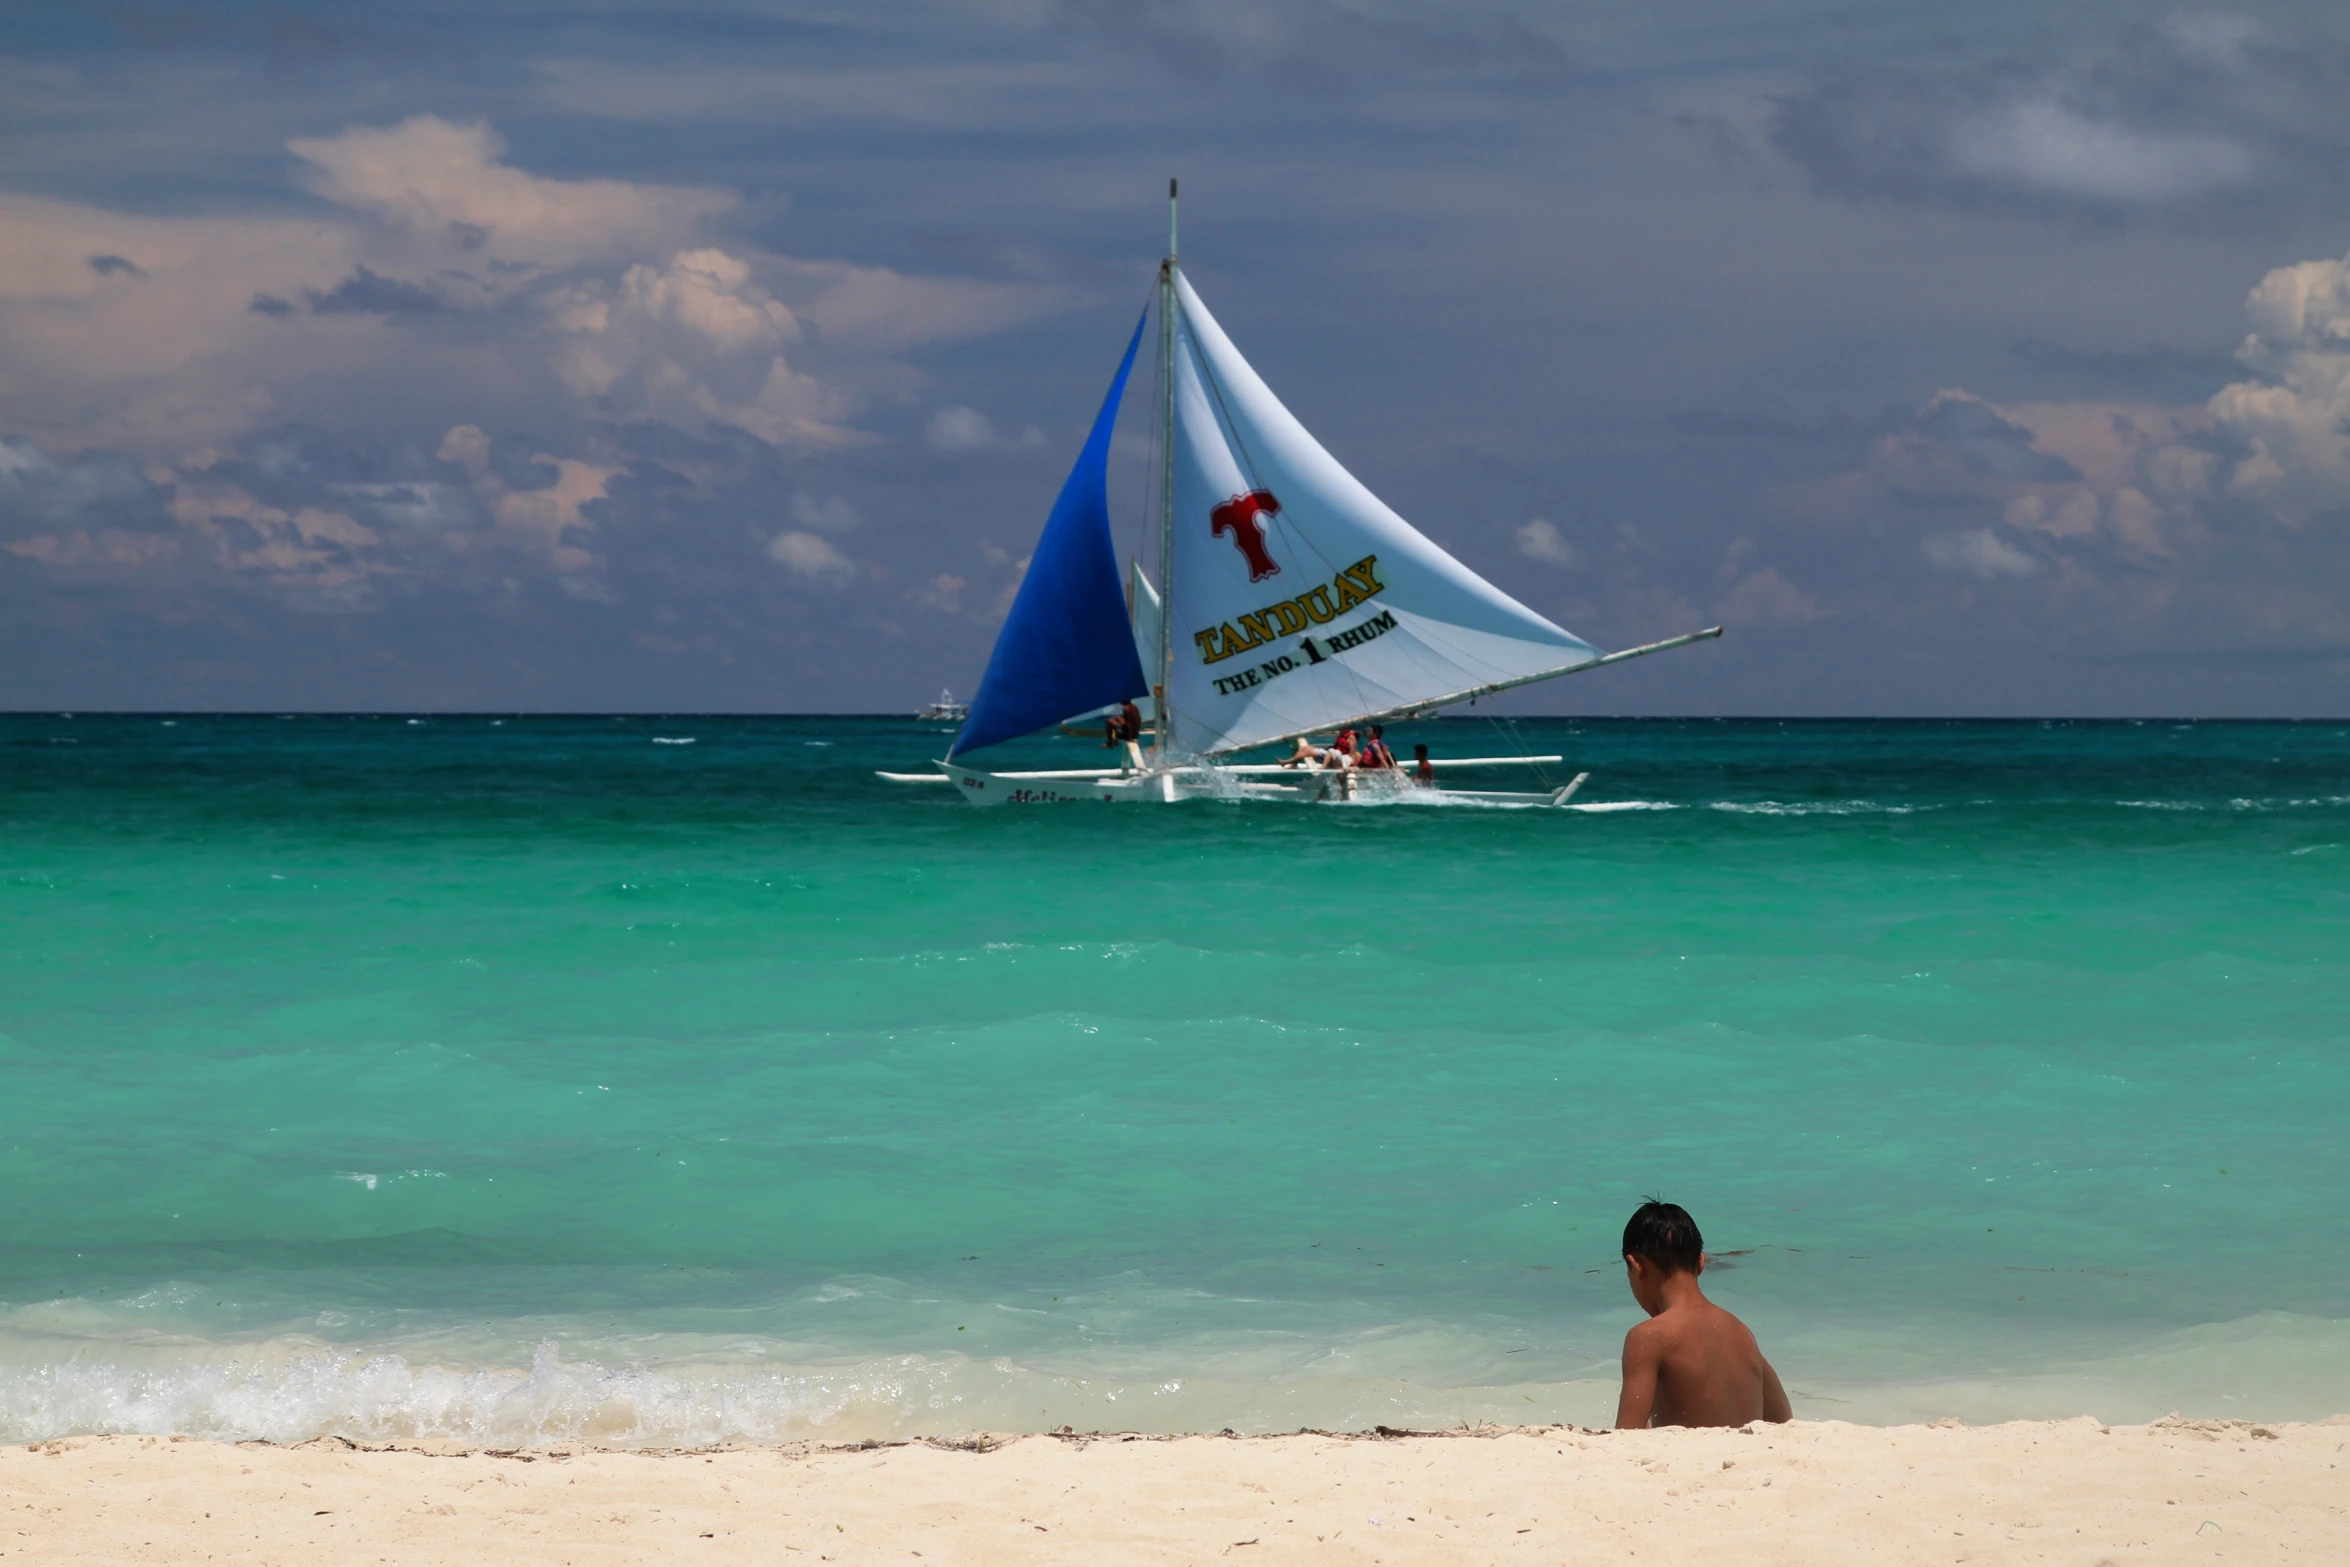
(1812, 1493)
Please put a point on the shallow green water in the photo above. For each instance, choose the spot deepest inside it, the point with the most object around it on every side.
(535, 1079)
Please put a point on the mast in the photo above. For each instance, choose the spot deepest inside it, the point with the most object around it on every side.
(1164, 675)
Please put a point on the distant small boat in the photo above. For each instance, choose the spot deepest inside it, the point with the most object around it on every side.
(946, 710)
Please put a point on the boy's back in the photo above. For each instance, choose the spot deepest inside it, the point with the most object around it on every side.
(1691, 1363)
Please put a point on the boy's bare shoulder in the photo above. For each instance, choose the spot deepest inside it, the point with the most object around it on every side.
(1659, 1338)
(1704, 1320)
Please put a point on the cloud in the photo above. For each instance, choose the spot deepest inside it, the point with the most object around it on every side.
(2151, 369)
(943, 592)
(546, 521)
(692, 342)
(2193, 121)
(953, 94)
(1541, 540)
(39, 494)
(1751, 426)
(2220, 525)
(824, 514)
(1985, 439)
(2294, 416)
(2046, 147)
(117, 266)
(443, 183)
(613, 294)
(362, 293)
(1978, 552)
(1765, 598)
(1328, 44)
(876, 308)
(812, 557)
(958, 429)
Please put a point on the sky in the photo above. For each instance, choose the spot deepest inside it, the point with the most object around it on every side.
(517, 355)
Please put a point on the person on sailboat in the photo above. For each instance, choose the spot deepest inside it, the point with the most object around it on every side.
(1124, 725)
(1423, 770)
(1375, 752)
(1306, 754)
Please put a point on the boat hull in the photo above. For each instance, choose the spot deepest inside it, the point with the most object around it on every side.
(1147, 788)
(1177, 785)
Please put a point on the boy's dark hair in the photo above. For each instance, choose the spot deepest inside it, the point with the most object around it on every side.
(1664, 1233)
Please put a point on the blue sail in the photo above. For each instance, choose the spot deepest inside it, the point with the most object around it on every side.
(1067, 646)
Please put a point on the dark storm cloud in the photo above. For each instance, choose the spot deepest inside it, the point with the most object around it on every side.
(99, 491)
(364, 293)
(1988, 441)
(2152, 370)
(2194, 121)
(110, 266)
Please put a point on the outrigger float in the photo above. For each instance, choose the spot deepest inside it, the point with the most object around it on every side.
(1295, 602)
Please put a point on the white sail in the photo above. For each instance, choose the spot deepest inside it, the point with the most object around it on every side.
(1299, 600)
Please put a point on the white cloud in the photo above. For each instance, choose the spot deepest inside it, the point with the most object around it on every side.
(2294, 418)
(547, 523)
(2188, 121)
(693, 341)
(1978, 552)
(942, 592)
(2062, 516)
(812, 557)
(958, 429)
(1541, 540)
(435, 281)
(880, 310)
(446, 183)
(1765, 598)
(2047, 147)
(824, 514)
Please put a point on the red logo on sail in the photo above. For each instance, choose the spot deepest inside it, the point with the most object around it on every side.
(1238, 517)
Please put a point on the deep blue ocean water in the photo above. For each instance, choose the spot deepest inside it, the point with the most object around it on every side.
(675, 1079)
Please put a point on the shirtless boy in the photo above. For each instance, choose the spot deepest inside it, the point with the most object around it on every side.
(1691, 1363)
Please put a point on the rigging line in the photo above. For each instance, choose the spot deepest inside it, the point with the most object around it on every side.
(1509, 726)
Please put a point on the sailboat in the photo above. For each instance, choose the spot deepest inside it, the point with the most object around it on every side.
(1290, 600)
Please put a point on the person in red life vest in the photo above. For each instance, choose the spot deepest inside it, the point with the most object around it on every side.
(1341, 754)
(1375, 752)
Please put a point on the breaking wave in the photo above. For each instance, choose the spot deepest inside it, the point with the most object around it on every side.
(292, 1391)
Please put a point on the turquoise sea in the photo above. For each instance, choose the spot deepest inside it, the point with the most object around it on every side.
(661, 1080)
